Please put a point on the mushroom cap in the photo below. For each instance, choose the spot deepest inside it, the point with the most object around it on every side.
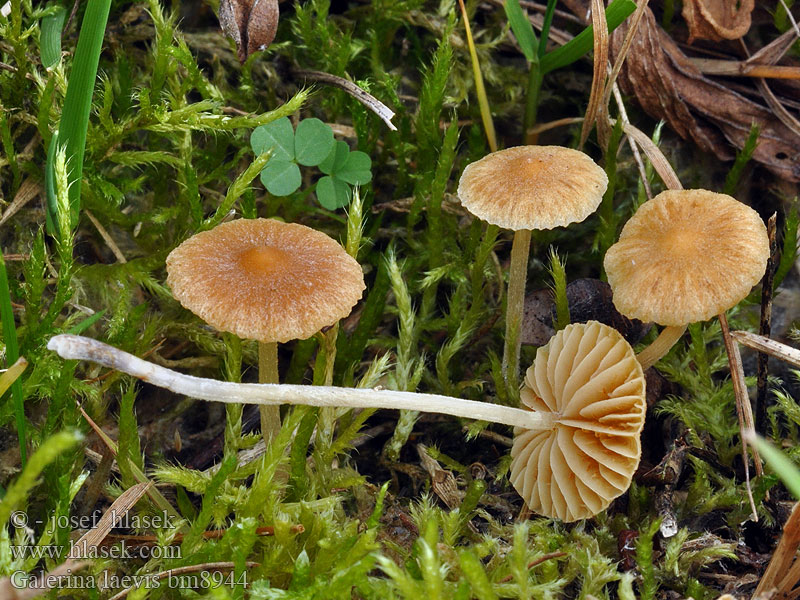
(588, 377)
(685, 256)
(532, 187)
(264, 279)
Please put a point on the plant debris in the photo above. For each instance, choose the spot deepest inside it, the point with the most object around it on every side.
(669, 86)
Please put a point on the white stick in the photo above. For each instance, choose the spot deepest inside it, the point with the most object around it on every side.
(82, 348)
(768, 346)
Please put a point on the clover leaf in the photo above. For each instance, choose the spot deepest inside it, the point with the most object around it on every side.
(313, 141)
(277, 135)
(308, 146)
(281, 177)
(343, 168)
(333, 193)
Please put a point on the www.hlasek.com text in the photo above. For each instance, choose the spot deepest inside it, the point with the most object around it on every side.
(76, 550)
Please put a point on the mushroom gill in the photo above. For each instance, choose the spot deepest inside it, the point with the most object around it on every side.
(589, 378)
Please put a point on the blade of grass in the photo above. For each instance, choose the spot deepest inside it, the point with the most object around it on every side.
(523, 30)
(86, 323)
(12, 354)
(616, 13)
(12, 374)
(51, 200)
(607, 231)
(535, 78)
(78, 102)
(480, 90)
(623, 52)
(780, 463)
(548, 19)
(50, 37)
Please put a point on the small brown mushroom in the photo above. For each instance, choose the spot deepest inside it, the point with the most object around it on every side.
(525, 188)
(266, 280)
(685, 256)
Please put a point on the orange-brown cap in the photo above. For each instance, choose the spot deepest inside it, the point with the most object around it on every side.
(588, 377)
(265, 280)
(685, 256)
(532, 187)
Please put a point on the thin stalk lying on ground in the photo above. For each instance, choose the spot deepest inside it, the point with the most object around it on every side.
(81, 348)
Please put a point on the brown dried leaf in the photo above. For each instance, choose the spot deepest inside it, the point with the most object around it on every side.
(442, 481)
(92, 538)
(250, 24)
(668, 86)
(717, 19)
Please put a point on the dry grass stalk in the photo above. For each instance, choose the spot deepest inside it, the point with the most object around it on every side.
(768, 346)
(637, 156)
(120, 507)
(26, 192)
(783, 571)
(737, 68)
(744, 411)
(595, 107)
(106, 237)
(656, 157)
(626, 45)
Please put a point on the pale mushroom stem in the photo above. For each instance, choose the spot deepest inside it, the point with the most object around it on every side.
(518, 274)
(268, 373)
(668, 337)
(327, 416)
(74, 347)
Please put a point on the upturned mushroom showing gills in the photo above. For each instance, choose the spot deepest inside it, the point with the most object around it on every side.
(577, 441)
(685, 256)
(265, 280)
(525, 188)
(588, 375)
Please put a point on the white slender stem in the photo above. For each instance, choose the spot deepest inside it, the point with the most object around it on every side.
(82, 348)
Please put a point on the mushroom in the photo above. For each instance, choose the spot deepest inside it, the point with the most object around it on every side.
(589, 377)
(265, 280)
(525, 188)
(685, 256)
(577, 440)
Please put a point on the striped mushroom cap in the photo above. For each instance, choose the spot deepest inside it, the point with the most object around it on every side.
(685, 256)
(588, 377)
(264, 279)
(532, 187)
